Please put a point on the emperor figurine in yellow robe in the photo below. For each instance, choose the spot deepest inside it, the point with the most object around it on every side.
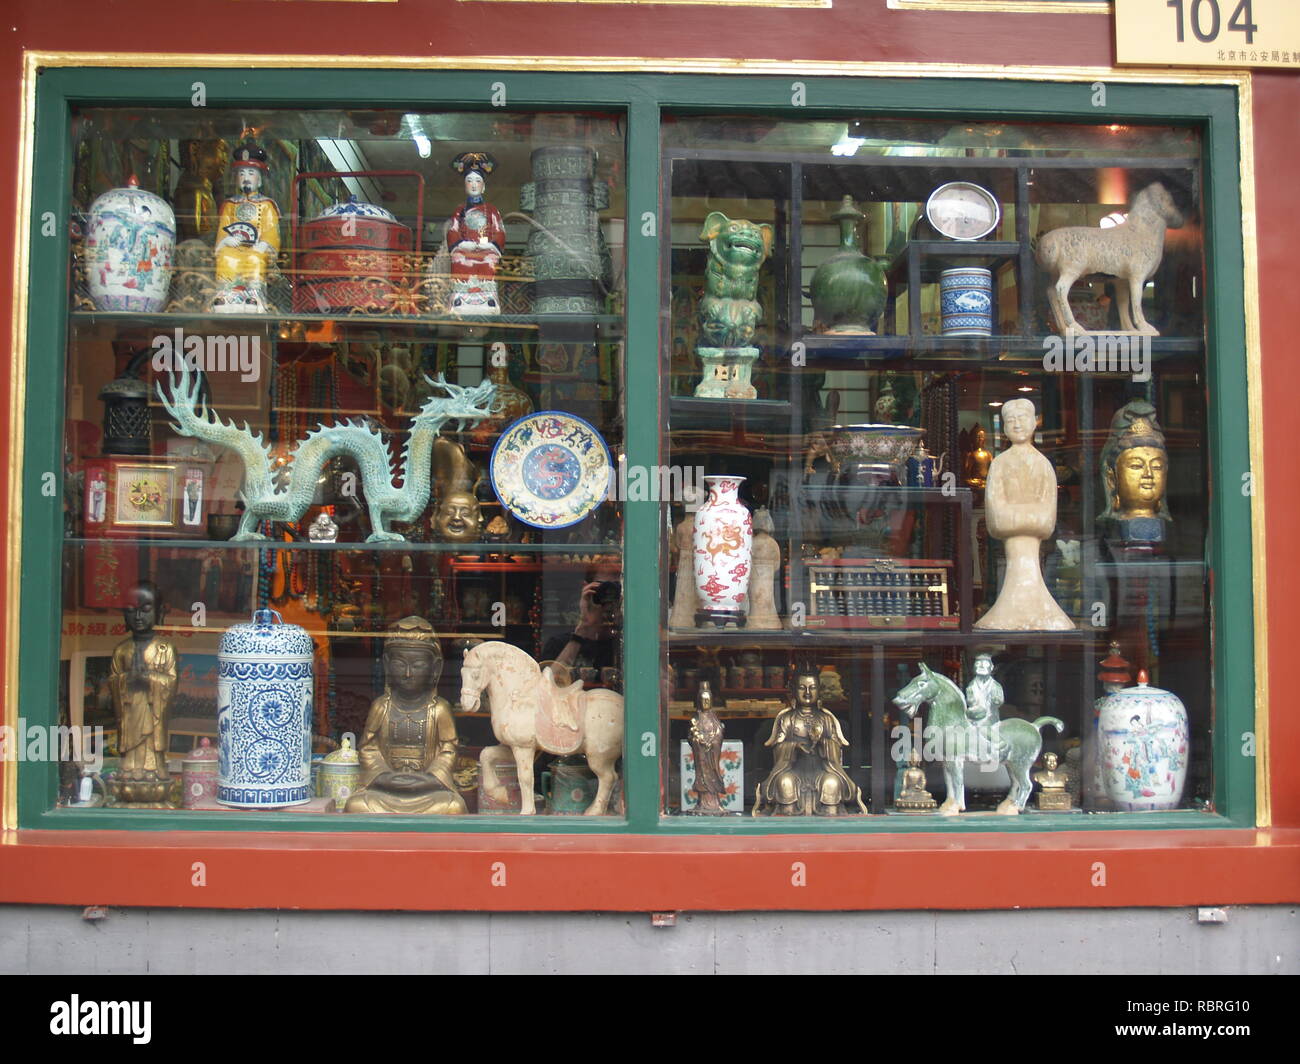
(248, 238)
(408, 748)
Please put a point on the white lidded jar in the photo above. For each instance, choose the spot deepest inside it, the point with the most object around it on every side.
(129, 247)
(1142, 733)
(264, 714)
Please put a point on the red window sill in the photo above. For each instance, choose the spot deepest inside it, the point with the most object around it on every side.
(643, 874)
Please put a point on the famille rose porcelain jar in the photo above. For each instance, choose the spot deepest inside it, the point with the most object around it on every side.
(130, 240)
(339, 774)
(264, 702)
(199, 777)
(1142, 732)
(723, 543)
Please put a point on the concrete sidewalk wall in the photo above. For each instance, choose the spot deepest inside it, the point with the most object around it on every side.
(56, 940)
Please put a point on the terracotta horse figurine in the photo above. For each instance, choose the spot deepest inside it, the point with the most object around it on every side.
(1015, 743)
(530, 712)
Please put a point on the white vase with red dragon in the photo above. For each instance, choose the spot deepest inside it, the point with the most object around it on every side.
(723, 545)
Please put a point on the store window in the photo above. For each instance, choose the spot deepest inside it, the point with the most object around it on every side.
(344, 402)
(937, 496)
(376, 500)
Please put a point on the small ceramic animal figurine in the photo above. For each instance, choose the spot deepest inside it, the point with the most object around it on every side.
(248, 238)
(948, 724)
(143, 681)
(1134, 473)
(1020, 501)
(1130, 252)
(729, 313)
(476, 238)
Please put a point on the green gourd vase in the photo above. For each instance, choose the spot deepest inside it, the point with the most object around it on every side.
(848, 289)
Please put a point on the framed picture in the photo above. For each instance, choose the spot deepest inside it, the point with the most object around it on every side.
(89, 700)
(131, 496)
(144, 496)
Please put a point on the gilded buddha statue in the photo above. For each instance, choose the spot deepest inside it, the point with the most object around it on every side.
(204, 162)
(143, 681)
(408, 748)
(807, 776)
(975, 465)
(1134, 472)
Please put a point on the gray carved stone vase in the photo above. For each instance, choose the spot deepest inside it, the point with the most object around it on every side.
(570, 259)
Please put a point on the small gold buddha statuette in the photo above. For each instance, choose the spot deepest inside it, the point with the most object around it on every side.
(913, 794)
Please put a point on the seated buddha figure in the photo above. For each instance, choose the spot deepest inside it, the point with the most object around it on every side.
(408, 748)
(807, 776)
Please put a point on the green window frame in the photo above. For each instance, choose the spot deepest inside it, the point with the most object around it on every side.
(1213, 109)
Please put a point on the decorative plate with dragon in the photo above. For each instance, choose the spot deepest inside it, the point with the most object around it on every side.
(550, 469)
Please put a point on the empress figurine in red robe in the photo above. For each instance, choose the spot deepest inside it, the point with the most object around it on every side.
(476, 238)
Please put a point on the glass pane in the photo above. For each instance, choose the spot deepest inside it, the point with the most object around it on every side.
(850, 310)
(375, 386)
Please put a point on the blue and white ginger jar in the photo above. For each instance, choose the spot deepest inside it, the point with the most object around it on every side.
(264, 714)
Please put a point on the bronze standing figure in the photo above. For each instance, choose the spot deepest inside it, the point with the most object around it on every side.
(706, 744)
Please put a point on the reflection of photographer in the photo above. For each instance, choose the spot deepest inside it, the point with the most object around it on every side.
(596, 641)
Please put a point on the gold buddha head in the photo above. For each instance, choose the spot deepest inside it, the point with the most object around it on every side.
(458, 518)
(412, 658)
(1135, 464)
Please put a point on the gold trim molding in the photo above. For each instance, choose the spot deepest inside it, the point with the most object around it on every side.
(659, 3)
(1019, 7)
(34, 61)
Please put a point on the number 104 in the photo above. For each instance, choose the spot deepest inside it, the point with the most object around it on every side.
(1206, 19)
